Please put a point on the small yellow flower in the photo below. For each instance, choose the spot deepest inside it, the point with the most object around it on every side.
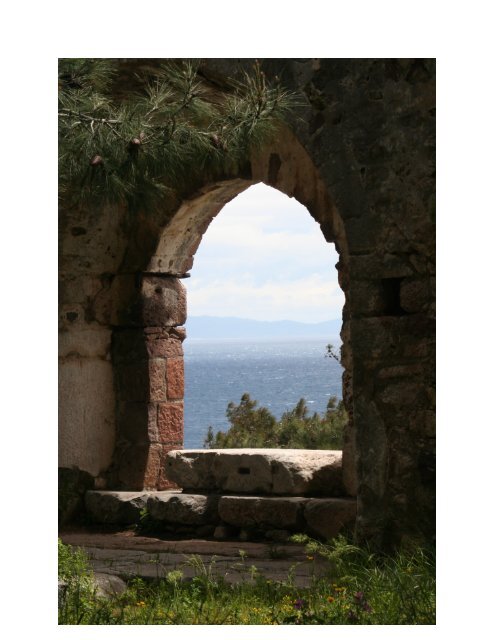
(310, 557)
(330, 599)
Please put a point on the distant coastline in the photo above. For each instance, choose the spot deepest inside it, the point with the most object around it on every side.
(231, 328)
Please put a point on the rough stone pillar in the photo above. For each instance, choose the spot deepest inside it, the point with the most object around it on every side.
(394, 416)
(149, 378)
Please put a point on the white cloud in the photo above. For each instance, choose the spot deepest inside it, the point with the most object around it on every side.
(309, 299)
(264, 257)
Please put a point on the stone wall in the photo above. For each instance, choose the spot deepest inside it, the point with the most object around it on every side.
(360, 156)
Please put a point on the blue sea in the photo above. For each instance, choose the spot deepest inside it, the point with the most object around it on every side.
(275, 373)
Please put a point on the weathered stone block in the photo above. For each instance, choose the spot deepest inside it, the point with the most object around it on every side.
(137, 422)
(258, 471)
(398, 394)
(366, 298)
(170, 423)
(157, 380)
(128, 345)
(87, 414)
(72, 485)
(175, 378)
(223, 532)
(143, 380)
(326, 517)
(115, 507)
(139, 467)
(183, 508)
(265, 512)
(164, 483)
(85, 341)
(108, 585)
(415, 295)
(164, 344)
(133, 381)
(163, 302)
(380, 265)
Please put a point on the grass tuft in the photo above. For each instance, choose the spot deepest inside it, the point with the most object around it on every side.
(360, 588)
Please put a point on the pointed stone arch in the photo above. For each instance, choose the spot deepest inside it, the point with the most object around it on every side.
(154, 425)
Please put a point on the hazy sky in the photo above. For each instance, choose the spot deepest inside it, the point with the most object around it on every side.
(264, 258)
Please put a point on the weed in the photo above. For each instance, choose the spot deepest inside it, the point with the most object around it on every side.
(361, 588)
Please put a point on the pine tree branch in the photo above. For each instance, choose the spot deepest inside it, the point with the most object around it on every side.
(151, 142)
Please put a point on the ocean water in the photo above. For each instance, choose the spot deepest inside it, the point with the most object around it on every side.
(275, 373)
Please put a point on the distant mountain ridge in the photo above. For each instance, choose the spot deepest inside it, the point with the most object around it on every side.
(211, 327)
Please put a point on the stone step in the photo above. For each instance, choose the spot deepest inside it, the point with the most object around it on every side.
(127, 554)
(225, 516)
(116, 507)
(295, 472)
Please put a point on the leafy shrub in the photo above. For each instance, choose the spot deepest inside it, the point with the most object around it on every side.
(253, 427)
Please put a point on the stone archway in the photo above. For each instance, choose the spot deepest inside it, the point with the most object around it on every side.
(149, 359)
(361, 159)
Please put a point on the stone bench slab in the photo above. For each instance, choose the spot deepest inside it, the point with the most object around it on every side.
(295, 472)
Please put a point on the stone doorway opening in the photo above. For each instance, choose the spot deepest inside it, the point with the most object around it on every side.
(263, 302)
(150, 426)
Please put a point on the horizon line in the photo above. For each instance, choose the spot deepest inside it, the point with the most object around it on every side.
(264, 321)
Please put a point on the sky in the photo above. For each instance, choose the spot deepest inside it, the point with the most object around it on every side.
(264, 258)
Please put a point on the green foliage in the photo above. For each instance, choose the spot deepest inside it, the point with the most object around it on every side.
(256, 427)
(331, 353)
(360, 588)
(76, 587)
(386, 589)
(72, 562)
(135, 149)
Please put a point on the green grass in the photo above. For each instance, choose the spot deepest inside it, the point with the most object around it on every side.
(362, 588)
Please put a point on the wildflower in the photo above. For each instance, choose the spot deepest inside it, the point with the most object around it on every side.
(330, 599)
(299, 603)
(310, 557)
(362, 602)
(141, 603)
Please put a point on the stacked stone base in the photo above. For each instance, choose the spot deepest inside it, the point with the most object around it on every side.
(251, 494)
(223, 517)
